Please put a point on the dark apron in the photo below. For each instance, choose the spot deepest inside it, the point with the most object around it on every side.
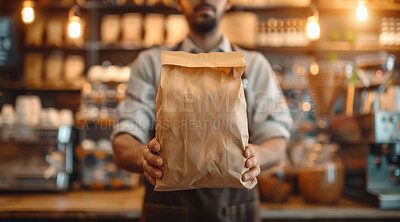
(216, 204)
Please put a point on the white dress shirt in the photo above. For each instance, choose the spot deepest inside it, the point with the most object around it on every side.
(267, 110)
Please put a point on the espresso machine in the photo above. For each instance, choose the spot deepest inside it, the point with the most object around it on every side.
(35, 158)
(370, 138)
(370, 148)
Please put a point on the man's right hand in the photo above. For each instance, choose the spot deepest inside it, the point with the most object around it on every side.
(152, 162)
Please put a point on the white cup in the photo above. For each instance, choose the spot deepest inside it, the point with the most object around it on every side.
(8, 116)
(66, 117)
(34, 110)
(44, 117)
(53, 118)
(28, 110)
(393, 99)
(104, 144)
(22, 110)
(95, 73)
(88, 144)
(111, 74)
(124, 74)
(49, 117)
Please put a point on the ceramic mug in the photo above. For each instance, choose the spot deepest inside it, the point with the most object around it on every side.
(53, 117)
(22, 110)
(34, 110)
(8, 116)
(66, 117)
(393, 99)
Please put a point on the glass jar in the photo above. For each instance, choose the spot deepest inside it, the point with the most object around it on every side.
(276, 184)
(321, 174)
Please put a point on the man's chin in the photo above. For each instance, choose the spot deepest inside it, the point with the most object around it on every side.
(205, 26)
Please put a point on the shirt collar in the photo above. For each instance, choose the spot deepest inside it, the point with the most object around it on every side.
(223, 46)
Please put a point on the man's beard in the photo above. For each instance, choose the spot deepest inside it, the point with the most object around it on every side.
(205, 27)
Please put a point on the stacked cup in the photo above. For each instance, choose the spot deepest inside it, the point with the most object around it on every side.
(28, 109)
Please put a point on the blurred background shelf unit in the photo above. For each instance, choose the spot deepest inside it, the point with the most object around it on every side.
(45, 47)
(89, 73)
(114, 32)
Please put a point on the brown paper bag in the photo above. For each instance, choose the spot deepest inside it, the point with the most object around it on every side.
(201, 121)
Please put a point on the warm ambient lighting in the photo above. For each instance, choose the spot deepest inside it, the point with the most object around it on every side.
(74, 27)
(361, 12)
(87, 88)
(121, 88)
(28, 12)
(74, 24)
(313, 28)
(306, 106)
(379, 73)
(314, 68)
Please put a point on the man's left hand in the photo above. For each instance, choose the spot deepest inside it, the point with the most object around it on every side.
(252, 163)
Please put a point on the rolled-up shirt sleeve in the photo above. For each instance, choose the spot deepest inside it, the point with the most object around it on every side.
(136, 114)
(268, 113)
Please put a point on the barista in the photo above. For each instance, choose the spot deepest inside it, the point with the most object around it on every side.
(269, 123)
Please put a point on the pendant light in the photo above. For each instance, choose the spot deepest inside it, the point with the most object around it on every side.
(313, 29)
(74, 23)
(28, 12)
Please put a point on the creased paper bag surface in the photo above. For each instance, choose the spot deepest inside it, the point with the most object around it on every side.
(201, 121)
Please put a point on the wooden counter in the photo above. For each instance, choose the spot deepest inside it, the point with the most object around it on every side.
(126, 205)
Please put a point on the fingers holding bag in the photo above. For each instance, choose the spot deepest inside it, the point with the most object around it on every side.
(152, 162)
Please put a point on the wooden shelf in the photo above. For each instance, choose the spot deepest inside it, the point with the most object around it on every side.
(55, 48)
(313, 47)
(264, 49)
(128, 7)
(287, 8)
(336, 46)
(343, 46)
(54, 89)
(339, 8)
(95, 45)
(116, 47)
(59, 6)
(8, 67)
(44, 87)
(323, 5)
(346, 4)
(309, 48)
(172, 9)
(274, 10)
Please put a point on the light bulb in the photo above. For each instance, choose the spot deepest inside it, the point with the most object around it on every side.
(314, 68)
(361, 12)
(74, 27)
(28, 12)
(306, 106)
(313, 29)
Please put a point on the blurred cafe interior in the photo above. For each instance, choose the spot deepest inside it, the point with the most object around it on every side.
(65, 65)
